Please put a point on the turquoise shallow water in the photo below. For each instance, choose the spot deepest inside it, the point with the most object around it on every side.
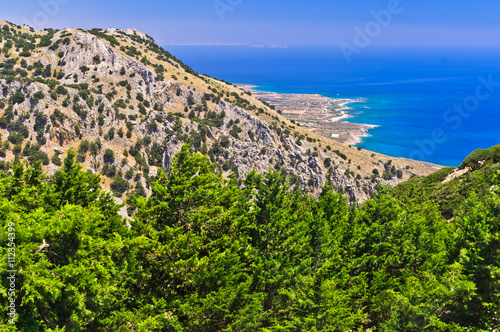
(426, 102)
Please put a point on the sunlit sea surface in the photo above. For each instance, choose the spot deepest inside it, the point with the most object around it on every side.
(426, 102)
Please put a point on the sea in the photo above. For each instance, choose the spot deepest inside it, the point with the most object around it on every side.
(430, 104)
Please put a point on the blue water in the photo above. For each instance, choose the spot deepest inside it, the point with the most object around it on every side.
(409, 93)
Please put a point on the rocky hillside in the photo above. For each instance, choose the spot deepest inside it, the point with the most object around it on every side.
(126, 106)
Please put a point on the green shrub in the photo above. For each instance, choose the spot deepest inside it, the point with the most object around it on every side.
(109, 156)
(37, 96)
(119, 186)
(18, 97)
(56, 160)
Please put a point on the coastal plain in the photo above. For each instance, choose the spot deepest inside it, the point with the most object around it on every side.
(320, 114)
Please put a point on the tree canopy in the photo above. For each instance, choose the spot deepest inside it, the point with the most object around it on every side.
(203, 254)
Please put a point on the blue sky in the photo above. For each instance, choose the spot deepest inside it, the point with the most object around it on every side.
(274, 22)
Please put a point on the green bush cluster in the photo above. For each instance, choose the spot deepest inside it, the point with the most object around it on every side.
(203, 254)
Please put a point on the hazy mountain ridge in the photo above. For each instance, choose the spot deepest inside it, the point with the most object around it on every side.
(127, 106)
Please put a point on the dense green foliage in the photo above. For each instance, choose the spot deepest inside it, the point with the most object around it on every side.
(205, 255)
(483, 166)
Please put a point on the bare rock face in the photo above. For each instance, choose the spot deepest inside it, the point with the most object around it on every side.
(117, 90)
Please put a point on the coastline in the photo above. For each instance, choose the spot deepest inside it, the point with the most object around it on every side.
(323, 115)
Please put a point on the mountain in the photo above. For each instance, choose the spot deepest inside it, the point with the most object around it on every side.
(126, 107)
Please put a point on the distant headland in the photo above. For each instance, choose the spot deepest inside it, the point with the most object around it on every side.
(322, 115)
